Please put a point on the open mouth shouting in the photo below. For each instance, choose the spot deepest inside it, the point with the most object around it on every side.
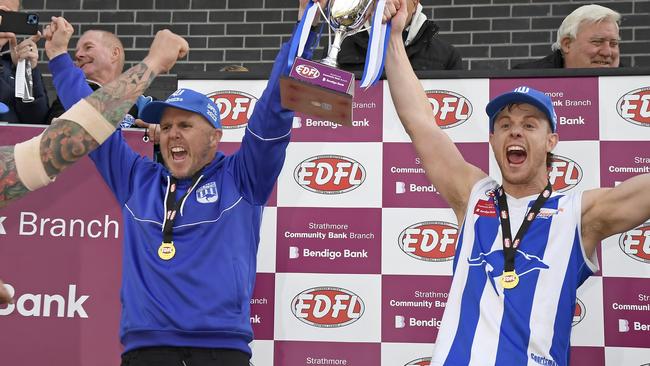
(516, 154)
(178, 153)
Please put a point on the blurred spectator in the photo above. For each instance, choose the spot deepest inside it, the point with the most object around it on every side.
(10, 53)
(588, 37)
(424, 49)
(234, 68)
(99, 58)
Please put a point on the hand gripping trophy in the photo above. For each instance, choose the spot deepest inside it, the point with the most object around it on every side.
(321, 89)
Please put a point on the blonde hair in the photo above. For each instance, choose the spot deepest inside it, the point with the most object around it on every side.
(584, 14)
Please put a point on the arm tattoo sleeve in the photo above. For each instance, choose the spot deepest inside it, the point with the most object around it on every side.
(63, 143)
(114, 99)
(10, 185)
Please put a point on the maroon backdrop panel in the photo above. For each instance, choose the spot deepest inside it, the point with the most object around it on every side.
(60, 252)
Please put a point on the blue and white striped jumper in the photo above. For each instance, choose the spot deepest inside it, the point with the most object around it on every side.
(484, 324)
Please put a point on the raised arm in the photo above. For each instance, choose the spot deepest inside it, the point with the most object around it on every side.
(67, 140)
(608, 211)
(445, 167)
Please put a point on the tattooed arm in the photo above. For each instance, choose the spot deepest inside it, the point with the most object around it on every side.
(65, 141)
(10, 185)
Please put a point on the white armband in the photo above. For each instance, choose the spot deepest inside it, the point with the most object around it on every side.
(29, 164)
(86, 116)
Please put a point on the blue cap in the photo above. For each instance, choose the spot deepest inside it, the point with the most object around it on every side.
(3, 108)
(187, 100)
(523, 94)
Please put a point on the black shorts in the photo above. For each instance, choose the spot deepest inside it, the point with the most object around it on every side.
(185, 356)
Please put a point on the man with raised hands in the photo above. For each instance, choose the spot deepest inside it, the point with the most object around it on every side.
(523, 249)
(33, 164)
(192, 224)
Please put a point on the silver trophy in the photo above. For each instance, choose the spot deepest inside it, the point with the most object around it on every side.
(321, 89)
(347, 17)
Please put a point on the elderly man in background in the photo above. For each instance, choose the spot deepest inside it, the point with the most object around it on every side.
(588, 37)
(99, 58)
(15, 110)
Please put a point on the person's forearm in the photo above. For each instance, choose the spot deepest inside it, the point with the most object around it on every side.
(407, 94)
(10, 185)
(115, 99)
(66, 141)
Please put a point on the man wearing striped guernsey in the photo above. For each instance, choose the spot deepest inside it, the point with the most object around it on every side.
(523, 249)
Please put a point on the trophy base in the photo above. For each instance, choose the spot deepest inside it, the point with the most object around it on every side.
(319, 90)
(316, 101)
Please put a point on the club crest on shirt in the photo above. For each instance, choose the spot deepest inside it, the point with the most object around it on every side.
(207, 193)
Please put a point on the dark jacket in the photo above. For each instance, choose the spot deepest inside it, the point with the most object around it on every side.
(19, 112)
(57, 109)
(426, 52)
(553, 61)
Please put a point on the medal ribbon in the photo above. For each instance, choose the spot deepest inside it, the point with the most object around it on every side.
(377, 43)
(510, 246)
(172, 206)
(299, 40)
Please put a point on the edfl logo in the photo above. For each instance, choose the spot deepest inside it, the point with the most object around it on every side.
(235, 107)
(307, 71)
(564, 174)
(431, 241)
(329, 174)
(327, 307)
(579, 312)
(450, 109)
(634, 107)
(636, 243)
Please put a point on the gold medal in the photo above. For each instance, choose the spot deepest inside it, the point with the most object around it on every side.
(166, 251)
(509, 280)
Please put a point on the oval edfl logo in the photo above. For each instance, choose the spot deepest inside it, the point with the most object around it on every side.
(450, 109)
(329, 174)
(565, 173)
(424, 361)
(235, 107)
(579, 312)
(635, 243)
(327, 307)
(307, 71)
(634, 107)
(431, 241)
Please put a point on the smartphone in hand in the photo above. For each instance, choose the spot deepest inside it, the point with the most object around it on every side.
(18, 23)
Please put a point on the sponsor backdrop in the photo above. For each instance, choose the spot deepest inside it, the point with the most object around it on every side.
(356, 248)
